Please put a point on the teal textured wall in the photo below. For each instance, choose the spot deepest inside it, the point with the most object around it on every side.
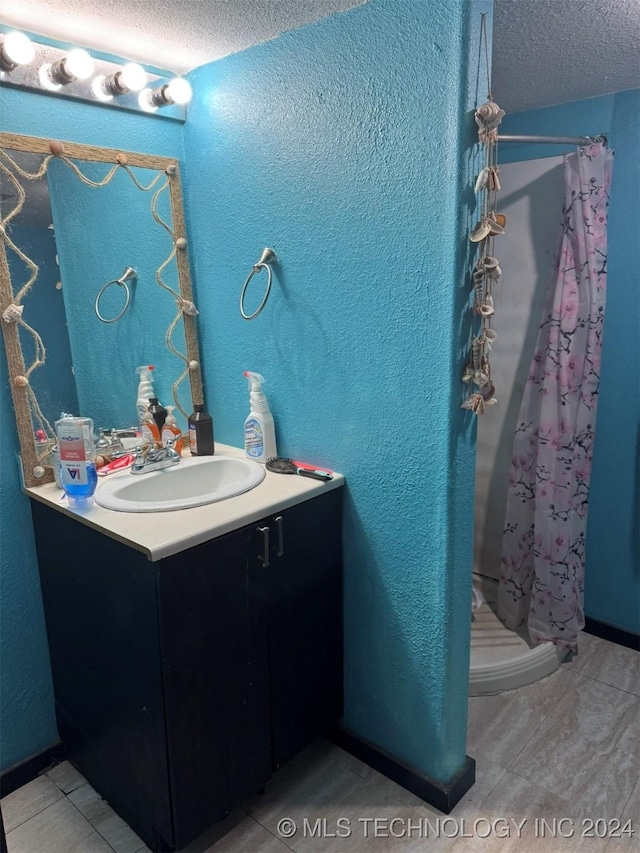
(612, 586)
(26, 697)
(344, 146)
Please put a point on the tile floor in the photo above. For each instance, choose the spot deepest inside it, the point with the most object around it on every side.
(563, 748)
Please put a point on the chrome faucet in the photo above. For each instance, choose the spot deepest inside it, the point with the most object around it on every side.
(156, 459)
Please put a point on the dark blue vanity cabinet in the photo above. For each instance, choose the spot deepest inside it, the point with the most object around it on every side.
(181, 684)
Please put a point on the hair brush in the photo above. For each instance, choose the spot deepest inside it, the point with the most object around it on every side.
(284, 465)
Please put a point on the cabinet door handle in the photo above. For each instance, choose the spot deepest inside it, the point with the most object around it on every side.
(265, 557)
(280, 523)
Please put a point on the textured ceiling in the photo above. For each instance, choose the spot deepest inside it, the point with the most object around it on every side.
(552, 51)
(545, 51)
(174, 34)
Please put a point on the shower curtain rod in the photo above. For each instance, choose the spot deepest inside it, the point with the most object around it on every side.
(557, 140)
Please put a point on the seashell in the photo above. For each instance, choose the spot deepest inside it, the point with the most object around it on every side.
(493, 179)
(494, 226)
(490, 334)
(500, 218)
(481, 231)
(487, 309)
(480, 378)
(495, 273)
(488, 263)
(467, 376)
(483, 179)
(56, 147)
(476, 352)
(489, 115)
(478, 404)
(478, 277)
(487, 391)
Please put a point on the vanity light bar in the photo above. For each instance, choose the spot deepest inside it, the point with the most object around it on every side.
(27, 64)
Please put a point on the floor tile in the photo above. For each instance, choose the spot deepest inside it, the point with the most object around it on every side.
(102, 817)
(66, 777)
(320, 777)
(60, 828)
(378, 815)
(245, 837)
(501, 725)
(488, 774)
(623, 841)
(607, 662)
(586, 750)
(27, 801)
(510, 821)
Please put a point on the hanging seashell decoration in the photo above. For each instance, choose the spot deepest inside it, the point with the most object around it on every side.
(486, 272)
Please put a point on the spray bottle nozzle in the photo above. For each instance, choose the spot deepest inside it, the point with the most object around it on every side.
(144, 372)
(255, 380)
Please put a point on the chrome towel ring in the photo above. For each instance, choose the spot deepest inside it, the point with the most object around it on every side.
(128, 275)
(267, 257)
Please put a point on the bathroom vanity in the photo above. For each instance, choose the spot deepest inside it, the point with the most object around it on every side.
(193, 652)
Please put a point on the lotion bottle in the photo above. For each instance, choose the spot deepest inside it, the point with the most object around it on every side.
(259, 429)
(145, 390)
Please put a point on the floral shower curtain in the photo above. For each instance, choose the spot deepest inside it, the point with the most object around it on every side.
(543, 551)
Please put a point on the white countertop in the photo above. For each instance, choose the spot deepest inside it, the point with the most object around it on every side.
(162, 534)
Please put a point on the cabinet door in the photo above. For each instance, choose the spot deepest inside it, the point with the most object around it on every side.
(304, 582)
(215, 659)
(102, 624)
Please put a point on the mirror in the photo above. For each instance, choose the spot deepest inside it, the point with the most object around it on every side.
(94, 282)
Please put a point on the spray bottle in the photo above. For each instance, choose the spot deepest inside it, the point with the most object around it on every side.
(259, 430)
(145, 390)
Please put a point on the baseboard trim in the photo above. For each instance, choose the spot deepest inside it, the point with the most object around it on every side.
(442, 795)
(611, 633)
(26, 771)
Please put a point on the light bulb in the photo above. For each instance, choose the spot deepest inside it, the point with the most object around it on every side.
(17, 49)
(133, 77)
(179, 90)
(78, 64)
(45, 73)
(145, 101)
(99, 89)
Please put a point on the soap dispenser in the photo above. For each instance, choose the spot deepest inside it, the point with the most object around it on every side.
(171, 430)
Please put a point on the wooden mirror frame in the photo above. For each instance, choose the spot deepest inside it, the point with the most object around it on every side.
(15, 358)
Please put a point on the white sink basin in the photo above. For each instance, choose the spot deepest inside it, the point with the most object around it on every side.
(193, 482)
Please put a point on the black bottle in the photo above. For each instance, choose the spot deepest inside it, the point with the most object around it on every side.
(201, 432)
(158, 411)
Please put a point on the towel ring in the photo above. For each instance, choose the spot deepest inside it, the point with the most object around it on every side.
(268, 256)
(128, 275)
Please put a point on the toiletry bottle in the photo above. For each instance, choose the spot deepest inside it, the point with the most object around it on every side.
(149, 430)
(77, 460)
(259, 430)
(145, 389)
(201, 432)
(172, 430)
(158, 411)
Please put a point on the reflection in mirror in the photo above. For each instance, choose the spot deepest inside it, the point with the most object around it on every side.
(72, 224)
(32, 230)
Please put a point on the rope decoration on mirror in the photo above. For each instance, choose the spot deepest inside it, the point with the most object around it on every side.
(486, 271)
(13, 313)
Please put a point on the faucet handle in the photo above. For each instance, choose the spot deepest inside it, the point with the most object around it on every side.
(169, 443)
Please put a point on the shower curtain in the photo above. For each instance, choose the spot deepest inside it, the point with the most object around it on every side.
(543, 549)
